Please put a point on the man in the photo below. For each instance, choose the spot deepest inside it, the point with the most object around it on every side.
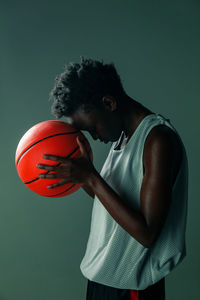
(138, 223)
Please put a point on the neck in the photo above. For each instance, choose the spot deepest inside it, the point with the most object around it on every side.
(132, 113)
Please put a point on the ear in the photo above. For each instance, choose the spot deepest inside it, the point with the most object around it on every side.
(109, 103)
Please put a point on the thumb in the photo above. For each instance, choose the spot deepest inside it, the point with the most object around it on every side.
(82, 147)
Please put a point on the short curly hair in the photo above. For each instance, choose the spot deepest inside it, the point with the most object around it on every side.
(83, 85)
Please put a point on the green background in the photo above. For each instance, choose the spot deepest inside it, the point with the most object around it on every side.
(155, 47)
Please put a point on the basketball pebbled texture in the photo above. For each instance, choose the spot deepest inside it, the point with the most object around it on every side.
(48, 137)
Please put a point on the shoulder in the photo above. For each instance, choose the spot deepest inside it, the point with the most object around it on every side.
(162, 145)
(162, 135)
(159, 141)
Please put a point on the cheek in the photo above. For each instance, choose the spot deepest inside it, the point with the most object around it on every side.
(108, 128)
(114, 133)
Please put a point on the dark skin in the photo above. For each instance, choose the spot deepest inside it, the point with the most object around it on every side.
(161, 162)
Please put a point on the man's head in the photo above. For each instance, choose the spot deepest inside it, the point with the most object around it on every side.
(88, 95)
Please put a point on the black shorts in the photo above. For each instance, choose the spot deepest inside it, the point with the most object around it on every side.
(97, 291)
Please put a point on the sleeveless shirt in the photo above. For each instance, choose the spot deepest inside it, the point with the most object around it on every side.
(113, 257)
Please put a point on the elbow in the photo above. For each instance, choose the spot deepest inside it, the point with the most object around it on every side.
(146, 245)
(150, 240)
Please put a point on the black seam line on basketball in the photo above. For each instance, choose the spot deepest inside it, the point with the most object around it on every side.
(54, 166)
(63, 191)
(43, 140)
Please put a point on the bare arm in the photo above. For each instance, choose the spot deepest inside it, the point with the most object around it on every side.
(155, 196)
(88, 190)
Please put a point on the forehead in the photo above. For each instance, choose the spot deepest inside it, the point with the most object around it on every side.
(81, 119)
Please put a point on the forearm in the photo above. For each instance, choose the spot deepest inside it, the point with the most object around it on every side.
(132, 221)
(88, 190)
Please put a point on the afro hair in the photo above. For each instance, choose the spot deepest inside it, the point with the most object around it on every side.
(83, 85)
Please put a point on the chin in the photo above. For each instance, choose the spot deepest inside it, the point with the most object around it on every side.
(116, 138)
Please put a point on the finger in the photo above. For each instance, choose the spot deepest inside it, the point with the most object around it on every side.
(61, 182)
(83, 148)
(55, 158)
(49, 176)
(46, 167)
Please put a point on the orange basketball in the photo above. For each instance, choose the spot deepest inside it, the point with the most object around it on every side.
(48, 137)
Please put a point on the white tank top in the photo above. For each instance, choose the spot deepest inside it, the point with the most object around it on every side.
(113, 257)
